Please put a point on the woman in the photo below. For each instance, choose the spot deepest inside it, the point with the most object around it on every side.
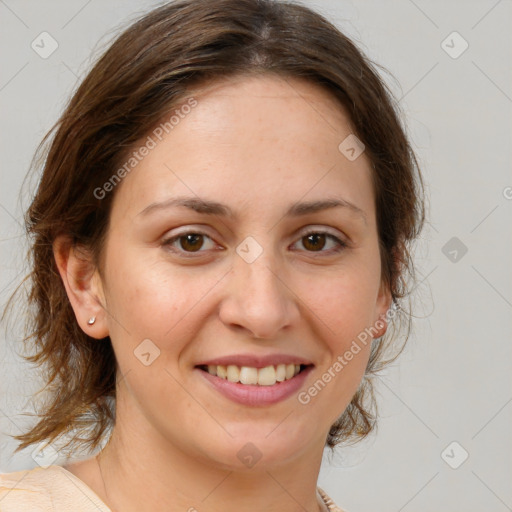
(219, 235)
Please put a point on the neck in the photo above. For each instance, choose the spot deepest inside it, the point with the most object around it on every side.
(156, 475)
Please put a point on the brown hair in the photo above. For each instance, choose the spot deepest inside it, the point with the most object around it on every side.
(147, 70)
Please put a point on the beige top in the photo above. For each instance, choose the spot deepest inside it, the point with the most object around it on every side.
(55, 489)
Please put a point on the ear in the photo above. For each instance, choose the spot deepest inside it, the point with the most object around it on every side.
(384, 300)
(83, 285)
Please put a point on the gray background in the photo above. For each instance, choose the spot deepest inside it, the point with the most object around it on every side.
(453, 383)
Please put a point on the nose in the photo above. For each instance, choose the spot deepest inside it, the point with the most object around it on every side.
(258, 299)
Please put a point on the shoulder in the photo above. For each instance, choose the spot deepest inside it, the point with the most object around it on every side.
(51, 489)
(331, 506)
(25, 490)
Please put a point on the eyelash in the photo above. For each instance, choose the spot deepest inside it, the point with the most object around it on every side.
(341, 244)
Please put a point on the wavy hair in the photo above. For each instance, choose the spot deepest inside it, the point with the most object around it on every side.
(145, 73)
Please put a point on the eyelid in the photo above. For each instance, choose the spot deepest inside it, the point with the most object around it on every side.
(322, 229)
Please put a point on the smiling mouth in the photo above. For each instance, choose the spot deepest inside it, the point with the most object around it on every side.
(247, 375)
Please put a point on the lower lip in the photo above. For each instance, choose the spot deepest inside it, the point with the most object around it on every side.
(255, 395)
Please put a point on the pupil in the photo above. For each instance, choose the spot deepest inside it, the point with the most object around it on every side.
(316, 236)
(193, 238)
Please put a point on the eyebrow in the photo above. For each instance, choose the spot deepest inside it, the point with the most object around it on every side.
(207, 207)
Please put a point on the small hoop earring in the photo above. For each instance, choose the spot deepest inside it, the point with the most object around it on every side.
(91, 320)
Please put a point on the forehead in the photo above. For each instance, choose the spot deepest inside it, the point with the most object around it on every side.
(249, 142)
(272, 89)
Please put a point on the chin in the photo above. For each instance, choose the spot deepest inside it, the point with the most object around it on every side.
(259, 447)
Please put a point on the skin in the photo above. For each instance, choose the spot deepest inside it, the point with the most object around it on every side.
(256, 144)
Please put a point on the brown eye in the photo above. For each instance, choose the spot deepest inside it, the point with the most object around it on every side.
(188, 243)
(316, 241)
(191, 242)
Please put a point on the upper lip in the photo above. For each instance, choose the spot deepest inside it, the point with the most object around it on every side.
(255, 361)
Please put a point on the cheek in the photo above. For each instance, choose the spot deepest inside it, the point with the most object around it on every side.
(343, 304)
(155, 300)
(341, 309)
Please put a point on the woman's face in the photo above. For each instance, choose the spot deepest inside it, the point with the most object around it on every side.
(260, 281)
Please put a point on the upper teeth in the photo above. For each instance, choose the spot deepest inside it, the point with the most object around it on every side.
(267, 376)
